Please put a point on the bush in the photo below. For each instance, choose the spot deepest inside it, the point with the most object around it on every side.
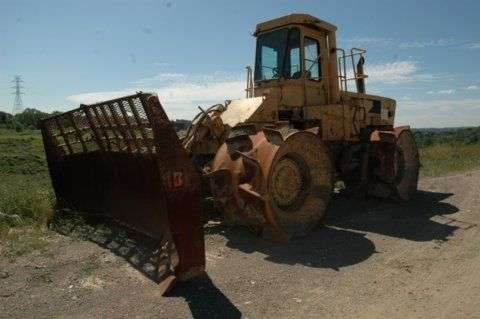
(30, 118)
(22, 240)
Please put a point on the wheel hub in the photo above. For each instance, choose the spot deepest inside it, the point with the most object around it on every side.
(288, 182)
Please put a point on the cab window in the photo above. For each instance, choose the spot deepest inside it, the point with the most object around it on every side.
(278, 55)
(312, 61)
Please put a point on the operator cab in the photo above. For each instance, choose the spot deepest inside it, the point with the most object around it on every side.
(296, 61)
(292, 60)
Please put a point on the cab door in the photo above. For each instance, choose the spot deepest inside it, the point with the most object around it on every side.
(315, 67)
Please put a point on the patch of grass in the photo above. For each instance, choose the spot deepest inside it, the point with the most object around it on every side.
(442, 159)
(22, 152)
(18, 241)
(25, 193)
(29, 201)
(27, 197)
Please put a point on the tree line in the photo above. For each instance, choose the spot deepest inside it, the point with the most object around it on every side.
(452, 136)
(29, 118)
(32, 118)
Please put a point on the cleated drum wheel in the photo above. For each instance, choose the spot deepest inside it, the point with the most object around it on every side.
(299, 184)
(407, 165)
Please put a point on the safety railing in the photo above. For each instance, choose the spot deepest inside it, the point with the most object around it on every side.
(355, 56)
(250, 88)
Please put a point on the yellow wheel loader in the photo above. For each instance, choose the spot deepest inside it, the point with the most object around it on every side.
(269, 160)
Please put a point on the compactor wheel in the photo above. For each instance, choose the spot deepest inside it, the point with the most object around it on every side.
(299, 185)
(407, 165)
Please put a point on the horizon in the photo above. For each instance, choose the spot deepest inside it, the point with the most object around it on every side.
(194, 54)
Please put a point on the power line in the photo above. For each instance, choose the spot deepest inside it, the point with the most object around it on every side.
(18, 103)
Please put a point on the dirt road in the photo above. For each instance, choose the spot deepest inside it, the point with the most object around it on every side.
(373, 259)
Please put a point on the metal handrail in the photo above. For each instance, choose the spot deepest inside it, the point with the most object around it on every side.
(250, 88)
(342, 68)
(342, 74)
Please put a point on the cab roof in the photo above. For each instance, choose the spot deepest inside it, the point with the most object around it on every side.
(295, 18)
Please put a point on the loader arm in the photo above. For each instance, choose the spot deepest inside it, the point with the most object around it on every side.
(122, 159)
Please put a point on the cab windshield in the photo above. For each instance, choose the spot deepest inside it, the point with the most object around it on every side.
(278, 55)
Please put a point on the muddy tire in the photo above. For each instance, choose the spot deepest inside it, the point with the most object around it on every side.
(300, 184)
(407, 166)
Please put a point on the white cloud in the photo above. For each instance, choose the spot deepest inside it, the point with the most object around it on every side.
(472, 88)
(179, 94)
(393, 72)
(438, 113)
(426, 44)
(373, 41)
(448, 92)
(389, 42)
(93, 97)
(396, 72)
(160, 77)
(359, 41)
(368, 39)
(464, 103)
(442, 92)
(473, 45)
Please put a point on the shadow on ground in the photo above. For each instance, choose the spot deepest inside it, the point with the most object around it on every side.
(324, 248)
(411, 220)
(342, 241)
(138, 250)
(204, 299)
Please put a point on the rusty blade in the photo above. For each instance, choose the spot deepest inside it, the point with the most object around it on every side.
(122, 158)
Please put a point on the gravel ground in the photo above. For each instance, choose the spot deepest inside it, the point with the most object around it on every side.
(373, 259)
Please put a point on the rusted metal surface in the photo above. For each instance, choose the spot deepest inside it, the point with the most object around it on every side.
(278, 184)
(123, 159)
(397, 164)
(407, 163)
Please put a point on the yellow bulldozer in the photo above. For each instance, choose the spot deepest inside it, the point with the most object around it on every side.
(269, 161)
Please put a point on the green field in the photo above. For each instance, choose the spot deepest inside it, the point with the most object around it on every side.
(442, 159)
(26, 193)
(443, 151)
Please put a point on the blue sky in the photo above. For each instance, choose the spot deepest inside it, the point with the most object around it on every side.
(424, 54)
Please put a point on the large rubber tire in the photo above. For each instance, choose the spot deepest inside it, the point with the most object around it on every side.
(300, 183)
(407, 164)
